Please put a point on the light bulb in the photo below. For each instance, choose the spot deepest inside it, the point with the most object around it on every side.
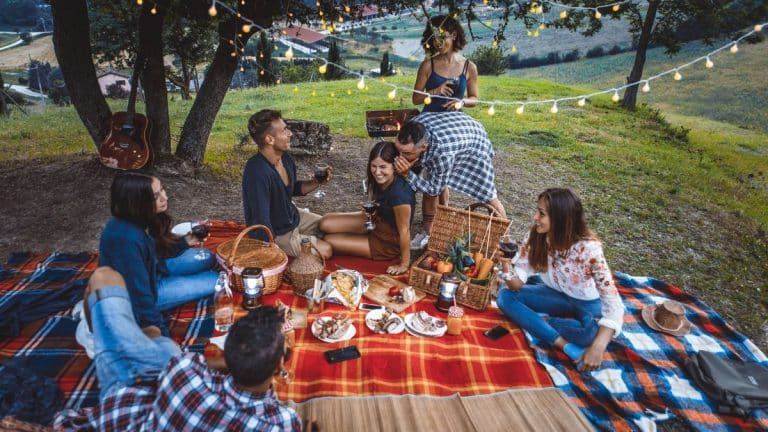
(289, 53)
(554, 109)
(314, 93)
(321, 13)
(646, 87)
(598, 15)
(233, 54)
(708, 64)
(341, 19)
(246, 28)
(485, 2)
(261, 55)
(514, 49)
(540, 10)
(563, 14)
(361, 83)
(333, 94)
(295, 89)
(349, 92)
(277, 81)
(495, 44)
(615, 96)
(616, 8)
(427, 100)
(758, 27)
(677, 76)
(261, 72)
(139, 2)
(536, 33)
(491, 111)
(212, 10)
(488, 23)
(542, 26)
(412, 58)
(520, 109)
(242, 69)
(399, 72)
(347, 9)
(153, 11)
(530, 33)
(734, 48)
(582, 102)
(392, 94)
(323, 68)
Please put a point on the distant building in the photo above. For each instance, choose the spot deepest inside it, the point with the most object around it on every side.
(305, 40)
(110, 77)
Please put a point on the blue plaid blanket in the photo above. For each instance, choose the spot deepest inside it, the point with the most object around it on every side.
(642, 379)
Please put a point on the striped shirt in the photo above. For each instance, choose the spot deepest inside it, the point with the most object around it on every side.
(459, 156)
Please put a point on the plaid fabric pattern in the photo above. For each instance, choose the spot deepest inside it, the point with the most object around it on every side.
(459, 156)
(642, 371)
(188, 397)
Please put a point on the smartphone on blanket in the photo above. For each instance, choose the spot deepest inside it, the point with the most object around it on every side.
(341, 354)
(496, 332)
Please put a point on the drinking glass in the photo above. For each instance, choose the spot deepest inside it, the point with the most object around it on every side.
(321, 175)
(509, 248)
(370, 209)
(200, 230)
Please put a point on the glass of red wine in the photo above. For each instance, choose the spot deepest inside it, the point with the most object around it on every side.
(321, 175)
(369, 207)
(201, 230)
(509, 248)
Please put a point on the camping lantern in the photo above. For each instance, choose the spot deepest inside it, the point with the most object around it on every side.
(253, 285)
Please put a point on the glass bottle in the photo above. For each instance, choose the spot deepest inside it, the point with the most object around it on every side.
(224, 304)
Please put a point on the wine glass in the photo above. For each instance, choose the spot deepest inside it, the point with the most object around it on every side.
(369, 207)
(321, 175)
(200, 230)
(509, 248)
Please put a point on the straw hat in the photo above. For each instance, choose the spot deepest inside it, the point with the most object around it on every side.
(668, 317)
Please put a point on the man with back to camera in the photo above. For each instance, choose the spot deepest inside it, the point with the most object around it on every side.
(269, 182)
(454, 151)
(147, 383)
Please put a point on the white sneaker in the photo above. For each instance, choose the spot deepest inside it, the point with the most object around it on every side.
(419, 241)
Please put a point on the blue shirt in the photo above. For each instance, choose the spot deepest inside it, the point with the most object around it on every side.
(266, 199)
(436, 80)
(130, 251)
(398, 193)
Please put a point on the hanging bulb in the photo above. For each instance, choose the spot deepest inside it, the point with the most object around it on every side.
(708, 64)
(349, 92)
(333, 94)
(520, 109)
(536, 33)
(289, 53)
(616, 8)
(153, 11)
(563, 15)
(598, 15)
(242, 69)
(242, 2)
(540, 10)
(212, 10)
(277, 81)
(314, 93)
(514, 49)
(139, 2)
(427, 100)
(615, 96)
(361, 83)
(582, 102)
(554, 109)
(261, 72)
(231, 42)
(758, 27)
(542, 26)
(347, 9)
(491, 110)
(341, 19)
(485, 2)
(392, 94)
(677, 76)
(233, 54)
(261, 55)
(295, 89)
(399, 71)
(323, 68)
(646, 87)
(734, 48)
(530, 33)
(489, 23)
(495, 44)
(246, 28)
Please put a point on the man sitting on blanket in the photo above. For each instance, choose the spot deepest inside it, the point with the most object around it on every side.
(147, 383)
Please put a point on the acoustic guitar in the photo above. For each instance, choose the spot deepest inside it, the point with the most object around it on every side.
(126, 145)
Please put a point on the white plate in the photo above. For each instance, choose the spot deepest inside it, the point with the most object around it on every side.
(351, 331)
(414, 331)
(182, 229)
(375, 315)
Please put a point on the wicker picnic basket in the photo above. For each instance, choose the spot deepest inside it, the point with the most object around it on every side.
(448, 224)
(238, 254)
(305, 269)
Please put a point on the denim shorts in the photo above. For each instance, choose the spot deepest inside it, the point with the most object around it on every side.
(123, 354)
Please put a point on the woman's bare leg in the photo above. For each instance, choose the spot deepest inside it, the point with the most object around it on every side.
(349, 244)
(334, 223)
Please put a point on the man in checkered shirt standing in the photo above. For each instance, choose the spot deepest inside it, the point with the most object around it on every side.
(147, 384)
(453, 151)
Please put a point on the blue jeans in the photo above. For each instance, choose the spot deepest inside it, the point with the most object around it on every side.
(190, 279)
(123, 354)
(571, 318)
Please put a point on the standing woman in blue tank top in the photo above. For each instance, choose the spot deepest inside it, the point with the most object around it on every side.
(449, 78)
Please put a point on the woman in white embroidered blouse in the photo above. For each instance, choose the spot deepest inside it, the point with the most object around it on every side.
(578, 308)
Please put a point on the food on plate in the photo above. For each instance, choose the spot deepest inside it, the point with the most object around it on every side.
(333, 327)
(344, 283)
(426, 323)
(387, 323)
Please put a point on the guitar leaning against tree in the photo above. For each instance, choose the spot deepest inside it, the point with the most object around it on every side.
(126, 145)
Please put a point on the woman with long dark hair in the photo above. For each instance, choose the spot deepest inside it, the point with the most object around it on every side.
(159, 268)
(448, 77)
(390, 239)
(575, 306)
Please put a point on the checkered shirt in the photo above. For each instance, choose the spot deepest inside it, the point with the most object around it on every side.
(189, 397)
(459, 156)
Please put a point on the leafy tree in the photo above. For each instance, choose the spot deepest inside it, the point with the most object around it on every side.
(264, 51)
(117, 90)
(37, 75)
(57, 89)
(334, 58)
(385, 67)
(489, 60)
(19, 12)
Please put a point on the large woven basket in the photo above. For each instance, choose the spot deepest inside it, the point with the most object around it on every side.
(238, 254)
(302, 275)
(451, 222)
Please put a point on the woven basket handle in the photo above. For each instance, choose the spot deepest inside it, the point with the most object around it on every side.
(318, 253)
(491, 211)
(231, 259)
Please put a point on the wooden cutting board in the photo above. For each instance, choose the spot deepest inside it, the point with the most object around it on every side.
(378, 291)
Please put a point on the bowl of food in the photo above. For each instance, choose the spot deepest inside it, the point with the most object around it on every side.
(345, 287)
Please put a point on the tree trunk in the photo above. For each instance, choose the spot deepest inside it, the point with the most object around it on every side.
(630, 95)
(72, 44)
(184, 76)
(3, 106)
(153, 78)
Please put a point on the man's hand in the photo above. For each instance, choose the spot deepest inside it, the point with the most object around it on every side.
(402, 166)
(397, 269)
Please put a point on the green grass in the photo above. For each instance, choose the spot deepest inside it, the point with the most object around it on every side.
(6, 39)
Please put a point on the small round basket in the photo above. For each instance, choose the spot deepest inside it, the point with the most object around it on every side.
(304, 270)
(238, 254)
